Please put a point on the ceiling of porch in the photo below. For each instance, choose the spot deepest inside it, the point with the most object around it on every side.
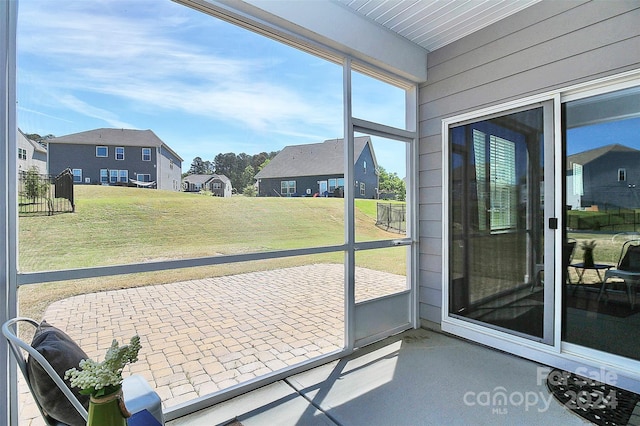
(432, 24)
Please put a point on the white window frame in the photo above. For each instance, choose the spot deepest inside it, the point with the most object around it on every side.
(145, 155)
(362, 189)
(622, 174)
(286, 186)
(77, 173)
(120, 153)
(123, 176)
(141, 177)
(104, 175)
(99, 147)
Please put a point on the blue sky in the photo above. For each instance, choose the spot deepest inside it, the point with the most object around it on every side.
(202, 85)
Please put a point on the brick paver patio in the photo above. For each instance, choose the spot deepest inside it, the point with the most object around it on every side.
(205, 335)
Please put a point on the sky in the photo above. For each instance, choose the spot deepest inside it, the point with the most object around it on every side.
(202, 85)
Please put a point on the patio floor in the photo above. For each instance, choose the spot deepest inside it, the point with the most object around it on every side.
(205, 335)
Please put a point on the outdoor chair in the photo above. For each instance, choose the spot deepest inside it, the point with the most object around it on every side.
(138, 394)
(627, 269)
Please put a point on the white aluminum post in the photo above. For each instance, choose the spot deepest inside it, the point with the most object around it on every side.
(411, 123)
(8, 204)
(349, 215)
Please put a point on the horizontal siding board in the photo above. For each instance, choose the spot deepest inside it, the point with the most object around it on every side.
(431, 178)
(431, 212)
(430, 296)
(430, 195)
(602, 25)
(586, 66)
(430, 246)
(431, 228)
(431, 161)
(432, 263)
(430, 313)
(596, 38)
(431, 280)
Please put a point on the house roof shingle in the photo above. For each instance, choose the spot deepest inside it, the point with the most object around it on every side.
(325, 158)
(36, 146)
(115, 137)
(586, 157)
(202, 179)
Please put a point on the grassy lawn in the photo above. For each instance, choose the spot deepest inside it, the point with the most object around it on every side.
(117, 225)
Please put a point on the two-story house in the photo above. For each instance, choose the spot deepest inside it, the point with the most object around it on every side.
(116, 156)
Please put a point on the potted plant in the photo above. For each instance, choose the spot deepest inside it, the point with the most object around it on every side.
(587, 258)
(103, 382)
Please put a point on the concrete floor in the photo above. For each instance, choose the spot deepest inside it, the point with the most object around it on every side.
(416, 378)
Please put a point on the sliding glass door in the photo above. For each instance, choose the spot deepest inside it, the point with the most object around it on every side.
(602, 193)
(500, 203)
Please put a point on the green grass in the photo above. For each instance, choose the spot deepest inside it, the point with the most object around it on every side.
(369, 207)
(114, 225)
(118, 225)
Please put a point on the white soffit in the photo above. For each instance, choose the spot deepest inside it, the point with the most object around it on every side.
(327, 28)
(392, 35)
(432, 24)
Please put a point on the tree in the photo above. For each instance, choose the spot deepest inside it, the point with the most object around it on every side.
(198, 167)
(249, 191)
(247, 177)
(264, 164)
(391, 182)
(240, 168)
(34, 186)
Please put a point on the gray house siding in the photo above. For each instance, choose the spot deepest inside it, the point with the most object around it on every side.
(270, 187)
(75, 156)
(602, 187)
(547, 46)
(33, 155)
(364, 172)
(168, 154)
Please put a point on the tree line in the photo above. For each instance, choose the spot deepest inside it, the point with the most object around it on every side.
(239, 168)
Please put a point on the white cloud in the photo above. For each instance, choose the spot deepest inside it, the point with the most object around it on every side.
(143, 59)
(80, 107)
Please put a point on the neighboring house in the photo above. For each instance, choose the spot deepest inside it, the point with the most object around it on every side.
(306, 170)
(116, 156)
(31, 154)
(606, 177)
(220, 185)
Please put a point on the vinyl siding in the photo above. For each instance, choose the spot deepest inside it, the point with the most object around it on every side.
(76, 156)
(548, 46)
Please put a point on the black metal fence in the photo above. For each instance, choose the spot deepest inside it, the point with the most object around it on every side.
(612, 220)
(392, 217)
(44, 194)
